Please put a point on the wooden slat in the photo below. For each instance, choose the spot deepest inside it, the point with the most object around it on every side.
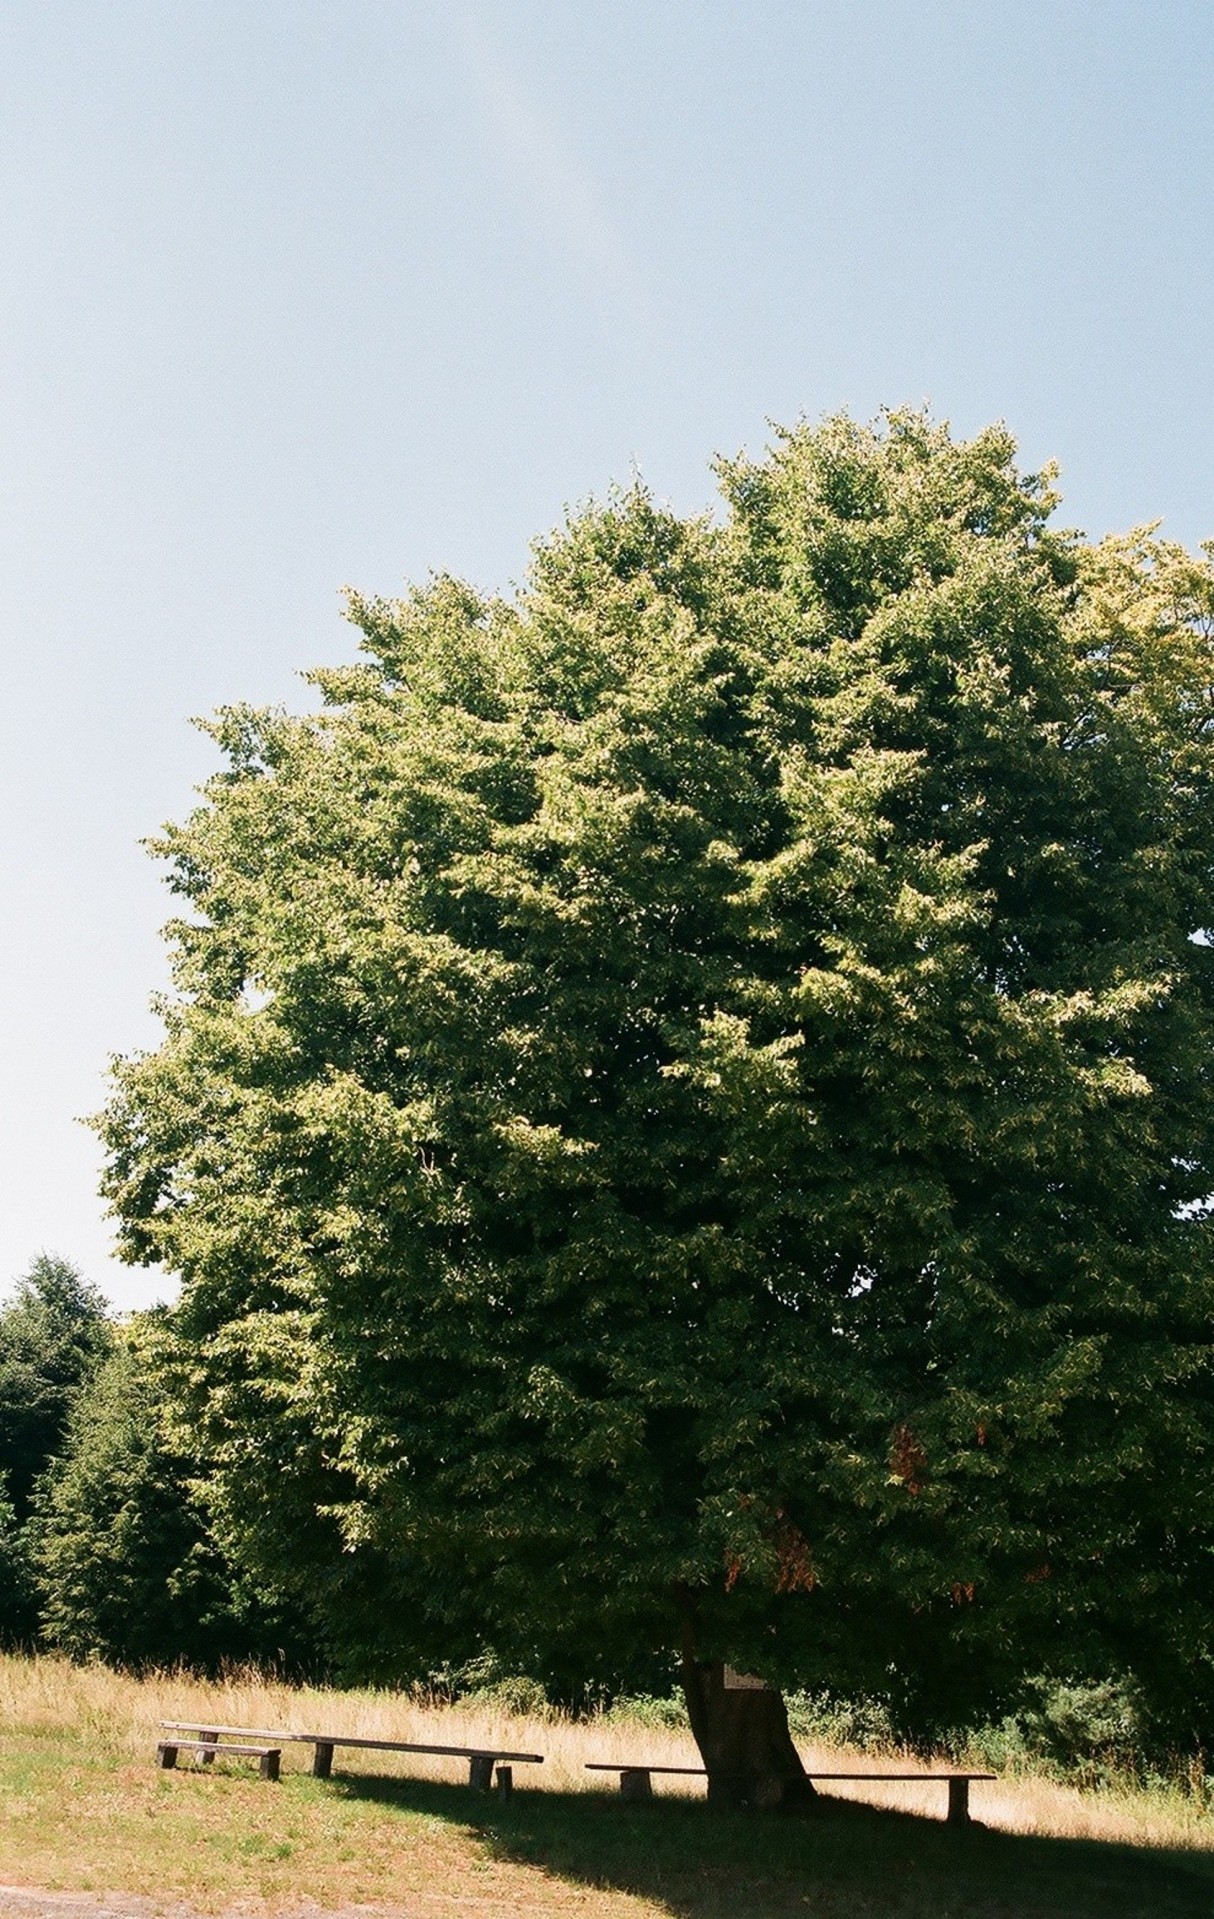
(615, 1765)
(925, 1778)
(206, 1747)
(341, 1739)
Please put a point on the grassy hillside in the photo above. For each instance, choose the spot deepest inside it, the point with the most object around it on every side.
(82, 1806)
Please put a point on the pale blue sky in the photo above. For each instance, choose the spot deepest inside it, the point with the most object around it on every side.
(294, 293)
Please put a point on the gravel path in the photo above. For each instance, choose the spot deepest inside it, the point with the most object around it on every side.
(30, 1902)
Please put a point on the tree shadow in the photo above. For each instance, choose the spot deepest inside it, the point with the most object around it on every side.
(841, 1861)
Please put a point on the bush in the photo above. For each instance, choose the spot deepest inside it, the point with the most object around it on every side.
(483, 1681)
(863, 1723)
(647, 1709)
(514, 1693)
(1085, 1730)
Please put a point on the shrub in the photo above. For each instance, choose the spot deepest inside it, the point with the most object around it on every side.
(1086, 1730)
(648, 1709)
(862, 1722)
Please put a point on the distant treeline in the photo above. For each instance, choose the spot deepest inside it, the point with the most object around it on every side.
(105, 1548)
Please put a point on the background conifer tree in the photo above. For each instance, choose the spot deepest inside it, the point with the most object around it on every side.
(119, 1549)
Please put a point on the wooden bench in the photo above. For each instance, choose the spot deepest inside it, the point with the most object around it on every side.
(636, 1782)
(269, 1758)
(486, 1765)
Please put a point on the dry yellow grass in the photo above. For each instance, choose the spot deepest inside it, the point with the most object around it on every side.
(82, 1805)
(122, 1715)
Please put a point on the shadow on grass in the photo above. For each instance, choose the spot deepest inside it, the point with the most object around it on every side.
(842, 1859)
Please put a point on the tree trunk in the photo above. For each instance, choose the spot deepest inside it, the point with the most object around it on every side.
(744, 1741)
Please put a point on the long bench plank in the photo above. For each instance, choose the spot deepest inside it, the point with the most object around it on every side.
(614, 1765)
(636, 1783)
(344, 1739)
(482, 1760)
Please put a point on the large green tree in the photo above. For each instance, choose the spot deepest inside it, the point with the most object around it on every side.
(686, 1112)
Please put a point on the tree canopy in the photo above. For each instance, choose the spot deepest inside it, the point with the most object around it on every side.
(687, 1099)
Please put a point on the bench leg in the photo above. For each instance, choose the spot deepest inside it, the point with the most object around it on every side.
(958, 1802)
(211, 1739)
(322, 1759)
(504, 1777)
(268, 1767)
(167, 1756)
(635, 1783)
(480, 1771)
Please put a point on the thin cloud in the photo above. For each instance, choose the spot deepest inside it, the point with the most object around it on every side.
(562, 191)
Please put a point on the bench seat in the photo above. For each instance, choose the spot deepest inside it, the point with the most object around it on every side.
(484, 1762)
(636, 1782)
(269, 1758)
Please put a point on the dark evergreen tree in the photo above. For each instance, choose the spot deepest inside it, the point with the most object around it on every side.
(119, 1546)
(18, 1605)
(53, 1332)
